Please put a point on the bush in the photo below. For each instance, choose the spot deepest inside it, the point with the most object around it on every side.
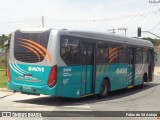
(3, 61)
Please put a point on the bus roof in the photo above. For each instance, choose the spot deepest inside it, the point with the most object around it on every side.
(96, 35)
(114, 38)
(33, 30)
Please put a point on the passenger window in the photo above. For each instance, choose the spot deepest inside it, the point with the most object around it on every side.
(139, 55)
(87, 53)
(70, 50)
(122, 54)
(113, 53)
(102, 53)
(145, 55)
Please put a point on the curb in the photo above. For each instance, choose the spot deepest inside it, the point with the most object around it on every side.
(5, 90)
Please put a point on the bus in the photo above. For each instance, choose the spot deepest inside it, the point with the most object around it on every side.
(76, 64)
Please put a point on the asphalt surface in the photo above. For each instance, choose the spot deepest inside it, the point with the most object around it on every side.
(136, 99)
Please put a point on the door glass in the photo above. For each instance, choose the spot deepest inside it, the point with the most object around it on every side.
(87, 59)
(84, 54)
(87, 53)
(90, 54)
(130, 56)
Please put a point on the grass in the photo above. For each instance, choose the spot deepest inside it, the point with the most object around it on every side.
(3, 79)
(2, 67)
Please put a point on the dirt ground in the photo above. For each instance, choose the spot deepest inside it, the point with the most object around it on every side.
(157, 70)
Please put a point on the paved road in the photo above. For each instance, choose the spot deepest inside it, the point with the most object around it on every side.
(146, 99)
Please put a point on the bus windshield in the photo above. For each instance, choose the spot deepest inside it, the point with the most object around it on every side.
(30, 47)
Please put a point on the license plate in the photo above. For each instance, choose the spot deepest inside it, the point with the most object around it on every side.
(26, 88)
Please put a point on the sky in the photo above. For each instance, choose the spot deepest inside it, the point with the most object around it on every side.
(86, 15)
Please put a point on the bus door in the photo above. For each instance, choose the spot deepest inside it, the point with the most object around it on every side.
(150, 64)
(131, 67)
(87, 60)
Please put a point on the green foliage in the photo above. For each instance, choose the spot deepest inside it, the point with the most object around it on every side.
(156, 42)
(3, 61)
(4, 38)
(3, 79)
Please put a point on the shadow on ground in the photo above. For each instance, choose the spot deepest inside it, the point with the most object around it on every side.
(59, 101)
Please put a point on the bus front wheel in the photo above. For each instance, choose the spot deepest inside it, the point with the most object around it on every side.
(104, 89)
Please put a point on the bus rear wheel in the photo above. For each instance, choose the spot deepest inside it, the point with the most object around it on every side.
(144, 79)
(142, 85)
(103, 90)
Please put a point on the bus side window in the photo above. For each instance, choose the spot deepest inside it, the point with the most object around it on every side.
(139, 55)
(122, 54)
(70, 50)
(102, 53)
(145, 55)
(113, 53)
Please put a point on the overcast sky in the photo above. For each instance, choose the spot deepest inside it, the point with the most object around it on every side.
(92, 15)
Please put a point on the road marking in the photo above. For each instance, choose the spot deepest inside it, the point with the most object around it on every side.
(78, 106)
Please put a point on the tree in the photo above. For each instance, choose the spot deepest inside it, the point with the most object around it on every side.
(156, 42)
(4, 38)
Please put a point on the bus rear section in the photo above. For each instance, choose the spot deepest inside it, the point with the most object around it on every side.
(31, 69)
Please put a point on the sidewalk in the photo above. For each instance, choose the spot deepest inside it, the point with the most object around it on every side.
(157, 71)
(5, 90)
(5, 94)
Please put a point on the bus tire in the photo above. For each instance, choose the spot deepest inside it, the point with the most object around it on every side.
(144, 79)
(142, 85)
(104, 89)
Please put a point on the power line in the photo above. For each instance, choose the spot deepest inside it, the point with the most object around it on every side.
(76, 20)
(102, 19)
(9, 22)
(9, 25)
(140, 12)
(145, 14)
(154, 1)
(154, 27)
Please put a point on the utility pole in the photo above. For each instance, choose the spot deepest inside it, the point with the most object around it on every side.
(113, 30)
(123, 29)
(42, 21)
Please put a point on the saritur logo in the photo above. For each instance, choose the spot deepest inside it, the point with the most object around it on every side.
(37, 69)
